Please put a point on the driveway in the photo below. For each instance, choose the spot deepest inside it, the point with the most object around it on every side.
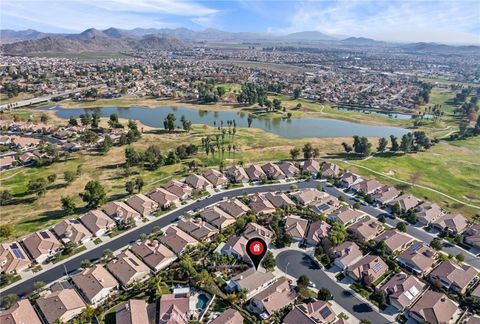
(297, 263)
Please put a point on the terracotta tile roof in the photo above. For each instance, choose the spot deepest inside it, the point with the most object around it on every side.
(434, 308)
(21, 312)
(41, 244)
(60, 305)
(92, 281)
(133, 311)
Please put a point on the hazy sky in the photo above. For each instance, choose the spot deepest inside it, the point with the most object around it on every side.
(450, 21)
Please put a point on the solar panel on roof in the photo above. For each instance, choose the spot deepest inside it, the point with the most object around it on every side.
(323, 207)
(377, 267)
(44, 235)
(16, 251)
(325, 312)
(416, 246)
(134, 262)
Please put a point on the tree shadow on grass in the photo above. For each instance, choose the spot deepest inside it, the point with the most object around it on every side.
(117, 196)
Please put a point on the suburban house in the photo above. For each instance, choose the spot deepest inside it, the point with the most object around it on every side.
(366, 229)
(451, 223)
(179, 189)
(260, 205)
(255, 173)
(13, 258)
(472, 235)
(142, 204)
(7, 162)
(326, 205)
(311, 166)
(121, 212)
(255, 230)
(272, 299)
(330, 170)
(366, 186)
(95, 284)
(216, 178)
(60, 305)
(236, 246)
(419, 257)
(456, 277)
(317, 232)
(133, 311)
(309, 195)
(406, 202)
(230, 316)
(128, 269)
(279, 200)
(369, 269)
(435, 308)
(197, 228)
(237, 174)
(217, 217)
(156, 255)
(251, 280)
(71, 230)
(346, 215)
(346, 254)
(198, 182)
(175, 307)
(295, 227)
(233, 207)
(163, 198)
(349, 179)
(41, 245)
(177, 240)
(384, 195)
(394, 240)
(403, 290)
(428, 212)
(22, 312)
(27, 158)
(289, 169)
(97, 222)
(316, 312)
(273, 171)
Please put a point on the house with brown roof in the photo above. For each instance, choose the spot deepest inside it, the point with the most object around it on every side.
(179, 189)
(472, 235)
(369, 269)
(163, 198)
(233, 207)
(97, 222)
(289, 169)
(217, 217)
(41, 245)
(128, 269)
(273, 171)
(198, 229)
(255, 173)
(428, 212)
(295, 227)
(121, 212)
(406, 202)
(251, 280)
(142, 204)
(13, 258)
(349, 179)
(216, 178)
(274, 298)
(385, 194)
(156, 255)
(317, 232)
(279, 200)
(175, 307)
(419, 258)
(71, 230)
(198, 182)
(366, 229)
(451, 223)
(230, 316)
(260, 205)
(22, 312)
(60, 305)
(394, 240)
(330, 170)
(456, 277)
(316, 312)
(311, 166)
(403, 290)
(95, 284)
(346, 215)
(366, 186)
(309, 196)
(435, 308)
(236, 246)
(237, 174)
(346, 254)
(133, 311)
(27, 158)
(6, 162)
(177, 240)
(255, 230)
(326, 205)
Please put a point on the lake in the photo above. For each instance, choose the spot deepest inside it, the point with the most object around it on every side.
(291, 128)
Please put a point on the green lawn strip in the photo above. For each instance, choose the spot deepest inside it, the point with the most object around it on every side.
(59, 257)
(97, 241)
(8, 279)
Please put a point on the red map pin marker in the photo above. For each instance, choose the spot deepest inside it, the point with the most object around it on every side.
(256, 250)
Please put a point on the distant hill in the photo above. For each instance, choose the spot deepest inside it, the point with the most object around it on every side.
(361, 41)
(308, 36)
(11, 36)
(441, 48)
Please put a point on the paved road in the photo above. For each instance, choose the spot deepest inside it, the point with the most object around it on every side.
(25, 287)
(297, 263)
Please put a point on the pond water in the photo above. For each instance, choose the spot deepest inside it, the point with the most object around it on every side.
(291, 128)
(387, 114)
